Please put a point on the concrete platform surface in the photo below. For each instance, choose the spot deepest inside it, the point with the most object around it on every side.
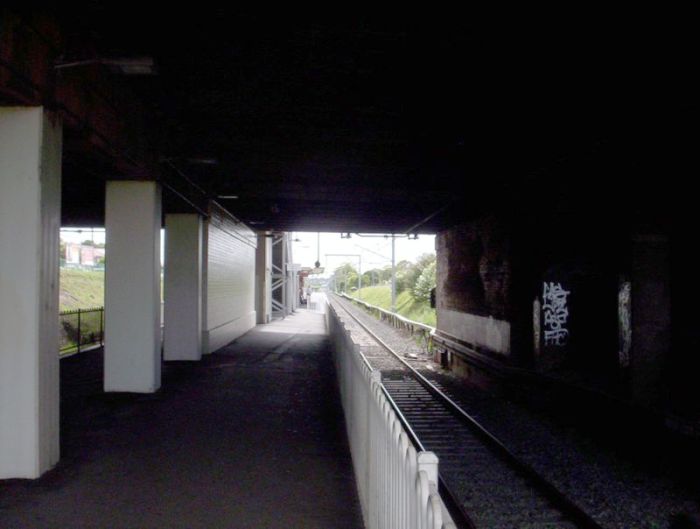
(250, 437)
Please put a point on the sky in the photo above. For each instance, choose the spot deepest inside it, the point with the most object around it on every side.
(375, 251)
(97, 235)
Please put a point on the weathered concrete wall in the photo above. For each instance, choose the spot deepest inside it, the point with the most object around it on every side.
(651, 319)
(473, 284)
(582, 298)
(540, 295)
(683, 363)
(474, 268)
(579, 314)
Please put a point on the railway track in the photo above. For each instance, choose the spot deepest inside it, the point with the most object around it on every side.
(487, 485)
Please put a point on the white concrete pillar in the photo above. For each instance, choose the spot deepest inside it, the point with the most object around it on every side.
(285, 273)
(263, 279)
(30, 220)
(295, 288)
(132, 287)
(204, 308)
(183, 287)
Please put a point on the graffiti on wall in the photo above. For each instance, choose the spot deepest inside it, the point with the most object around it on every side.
(536, 324)
(624, 310)
(556, 314)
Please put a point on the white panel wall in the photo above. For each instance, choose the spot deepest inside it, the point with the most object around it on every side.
(183, 287)
(205, 293)
(30, 202)
(231, 250)
(132, 287)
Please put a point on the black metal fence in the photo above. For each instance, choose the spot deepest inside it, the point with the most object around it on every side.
(80, 329)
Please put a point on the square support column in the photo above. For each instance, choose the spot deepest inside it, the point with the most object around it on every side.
(183, 287)
(204, 307)
(651, 319)
(132, 287)
(263, 279)
(30, 221)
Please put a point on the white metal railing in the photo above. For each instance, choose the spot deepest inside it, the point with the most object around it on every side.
(397, 484)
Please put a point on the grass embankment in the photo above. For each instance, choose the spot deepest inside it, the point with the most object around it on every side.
(81, 289)
(405, 304)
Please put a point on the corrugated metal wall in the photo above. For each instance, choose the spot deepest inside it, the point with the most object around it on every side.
(231, 279)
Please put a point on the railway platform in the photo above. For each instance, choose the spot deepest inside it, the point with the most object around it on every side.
(251, 436)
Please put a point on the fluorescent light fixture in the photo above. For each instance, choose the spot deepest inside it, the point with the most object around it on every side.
(203, 161)
(131, 66)
(138, 66)
(228, 197)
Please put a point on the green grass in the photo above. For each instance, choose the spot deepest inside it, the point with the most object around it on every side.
(81, 289)
(405, 304)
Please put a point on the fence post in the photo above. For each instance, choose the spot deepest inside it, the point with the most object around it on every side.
(428, 461)
(80, 332)
(373, 408)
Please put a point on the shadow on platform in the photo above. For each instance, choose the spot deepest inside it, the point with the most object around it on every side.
(251, 436)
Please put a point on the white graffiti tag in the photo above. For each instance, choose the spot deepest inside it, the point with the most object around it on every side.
(556, 314)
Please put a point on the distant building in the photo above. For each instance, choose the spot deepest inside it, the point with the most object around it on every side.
(72, 253)
(79, 255)
(89, 255)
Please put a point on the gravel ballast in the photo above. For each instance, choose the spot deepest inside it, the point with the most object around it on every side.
(617, 491)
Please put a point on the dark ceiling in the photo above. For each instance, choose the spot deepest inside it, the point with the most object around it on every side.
(396, 121)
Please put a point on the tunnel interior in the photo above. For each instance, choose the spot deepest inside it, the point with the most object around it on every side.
(551, 155)
(538, 152)
(553, 161)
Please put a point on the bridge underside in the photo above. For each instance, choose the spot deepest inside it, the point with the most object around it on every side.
(388, 123)
(553, 162)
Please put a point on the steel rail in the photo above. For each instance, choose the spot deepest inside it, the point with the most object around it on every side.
(558, 498)
(459, 515)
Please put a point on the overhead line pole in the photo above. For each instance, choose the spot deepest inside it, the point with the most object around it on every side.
(393, 265)
(393, 273)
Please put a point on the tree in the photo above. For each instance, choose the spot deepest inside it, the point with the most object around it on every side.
(421, 264)
(404, 273)
(425, 259)
(407, 273)
(385, 274)
(425, 283)
(345, 277)
(373, 277)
